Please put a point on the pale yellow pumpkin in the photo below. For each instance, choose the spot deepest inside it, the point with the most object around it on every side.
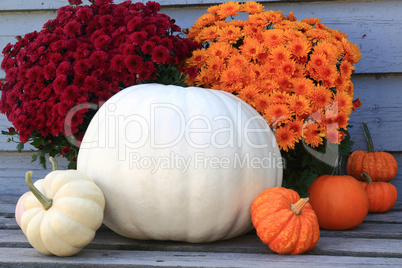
(62, 212)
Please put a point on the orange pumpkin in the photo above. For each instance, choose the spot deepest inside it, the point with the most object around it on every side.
(382, 195)
(284, 221)
(339, 201)
(380, 166)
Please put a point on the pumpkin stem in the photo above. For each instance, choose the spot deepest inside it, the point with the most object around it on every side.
(366, 177)
(55, 166)
(367, 135)
(298, 206)
(46, 202)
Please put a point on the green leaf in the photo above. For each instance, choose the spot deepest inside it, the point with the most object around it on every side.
(20, 146)
(34, 157)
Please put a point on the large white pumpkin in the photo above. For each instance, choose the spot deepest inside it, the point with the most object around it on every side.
(179, 163)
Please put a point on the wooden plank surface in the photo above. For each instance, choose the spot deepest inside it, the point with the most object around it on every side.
(376, 242)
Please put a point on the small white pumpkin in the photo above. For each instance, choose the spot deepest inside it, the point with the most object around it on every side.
(62, 212)
(179, 163)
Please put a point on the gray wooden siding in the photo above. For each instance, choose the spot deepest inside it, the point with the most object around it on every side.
(375, 26)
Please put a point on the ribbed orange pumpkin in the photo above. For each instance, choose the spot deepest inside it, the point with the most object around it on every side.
(284, 221)
(382, 195)
(339, 201)
(380, 166)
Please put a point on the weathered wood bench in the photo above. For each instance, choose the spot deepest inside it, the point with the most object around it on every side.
(376, 242)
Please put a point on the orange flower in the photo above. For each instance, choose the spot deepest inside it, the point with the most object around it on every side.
(248, 77)
(329, 50)
(237, 59)
(286, 138)
(346, 69)
(249, 94)
(267, 85)
(317, 61)
(252, 7)
(303, 86)
(228, 9)
(230, 34)
(311, 134)
(251, 48)
(300, 105)
(343, 102)
(333, 135)
(285, 83)
(215, 65)
(209, 33)
(198, 58)
(278, 97)
(204, 77)
(231, 75)
(219, 49)
(297, 74)
(276, 114)
(320, 97)
(288, 67)
(280, 53)
(256, 31)
(299, 47)
(296, 126)
(274, 37)
(262, 102)
(317, 34)
(311, 21)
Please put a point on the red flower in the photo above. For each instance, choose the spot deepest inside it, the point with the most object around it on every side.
(160, 54)
(117, 63)
(133, 63)
(99, 58)
(11, 130)
(66, 150)
(60, 83)
(148, 47)
(138, 38)
(72, 29)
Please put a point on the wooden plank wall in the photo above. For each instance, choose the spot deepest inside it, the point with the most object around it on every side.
(375, 26)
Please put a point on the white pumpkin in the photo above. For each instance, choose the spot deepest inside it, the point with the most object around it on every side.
(62, 212)
(179, 163)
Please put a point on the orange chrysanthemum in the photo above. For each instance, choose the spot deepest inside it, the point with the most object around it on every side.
(262, 103)
(277, 113)
(215, 65)
(311, 134)
(228, 9)
(320, 97)
(286, 138)
(230, 34)
(209, 33)
(280, 53)
(231, 75)
(299, 47)
(297, 74)
(198, 58)
(219, 49)
(251, 48)
(296, 126)
(252, 7)
(343, 102)
(249, 94)
(288, 67)
(333, 135)
(274, 37)
(300, 105)
(303, 86)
